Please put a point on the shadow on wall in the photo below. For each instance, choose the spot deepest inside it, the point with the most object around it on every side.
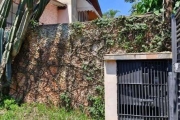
(66, 61)
(50, 65)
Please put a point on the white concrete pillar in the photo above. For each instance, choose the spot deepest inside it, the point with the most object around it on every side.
(110, 82)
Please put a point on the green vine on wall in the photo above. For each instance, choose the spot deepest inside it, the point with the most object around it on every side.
(131, 34)
(135, 34)
(80, 59)
(66, 100)
(96, 103)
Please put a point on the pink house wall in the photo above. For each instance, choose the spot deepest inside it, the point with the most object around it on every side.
(52, 15)
(49, 15)
(63, 16)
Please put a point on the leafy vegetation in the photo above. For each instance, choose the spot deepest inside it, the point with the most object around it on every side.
(131, 1)
(66, 100)
(153, 6)
(96, 107)
(145, 6)
(130, 34)
(110, 14)
(10, 110)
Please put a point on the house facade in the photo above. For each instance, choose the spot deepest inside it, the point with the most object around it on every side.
(64, 11)
(67, 11)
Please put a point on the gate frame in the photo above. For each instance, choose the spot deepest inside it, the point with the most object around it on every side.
(173, 82)
(111, 81)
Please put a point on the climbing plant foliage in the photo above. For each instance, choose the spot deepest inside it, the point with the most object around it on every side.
(92, 40)
(69, 57)
(131, 34)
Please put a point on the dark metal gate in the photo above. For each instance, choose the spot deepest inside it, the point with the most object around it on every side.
(143, 89)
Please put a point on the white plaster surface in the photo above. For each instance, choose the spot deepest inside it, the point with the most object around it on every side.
(110, 90)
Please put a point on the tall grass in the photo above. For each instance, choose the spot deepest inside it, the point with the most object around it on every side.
(11, 111)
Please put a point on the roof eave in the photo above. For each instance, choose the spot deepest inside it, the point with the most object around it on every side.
(57, 3)
(96, 5)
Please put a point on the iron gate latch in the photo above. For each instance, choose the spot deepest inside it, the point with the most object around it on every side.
(177, 67)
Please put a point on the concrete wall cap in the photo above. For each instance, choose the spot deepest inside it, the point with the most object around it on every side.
(138, 56)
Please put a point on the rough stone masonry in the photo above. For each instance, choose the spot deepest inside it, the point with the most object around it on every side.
(57, 59)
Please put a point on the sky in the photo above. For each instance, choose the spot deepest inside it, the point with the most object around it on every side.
(120, 5)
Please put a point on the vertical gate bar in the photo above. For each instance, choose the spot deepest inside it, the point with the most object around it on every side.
(124, 92)
(142, 97)
(161, 81)
(149, 87)
(135, 87)
(138, 88)
(123, 88)
(144, 86)
(132, 86)
(154, 88)
(159, 90)
(129, 88)
(120, 99)
(158, 83)
(126, 87)
(167, 92)
(164, 89)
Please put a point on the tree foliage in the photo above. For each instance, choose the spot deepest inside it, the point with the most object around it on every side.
(145, 6)
(110, 14)
(154, 6)
(131, 1)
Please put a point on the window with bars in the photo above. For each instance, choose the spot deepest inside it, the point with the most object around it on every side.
(83, 16)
